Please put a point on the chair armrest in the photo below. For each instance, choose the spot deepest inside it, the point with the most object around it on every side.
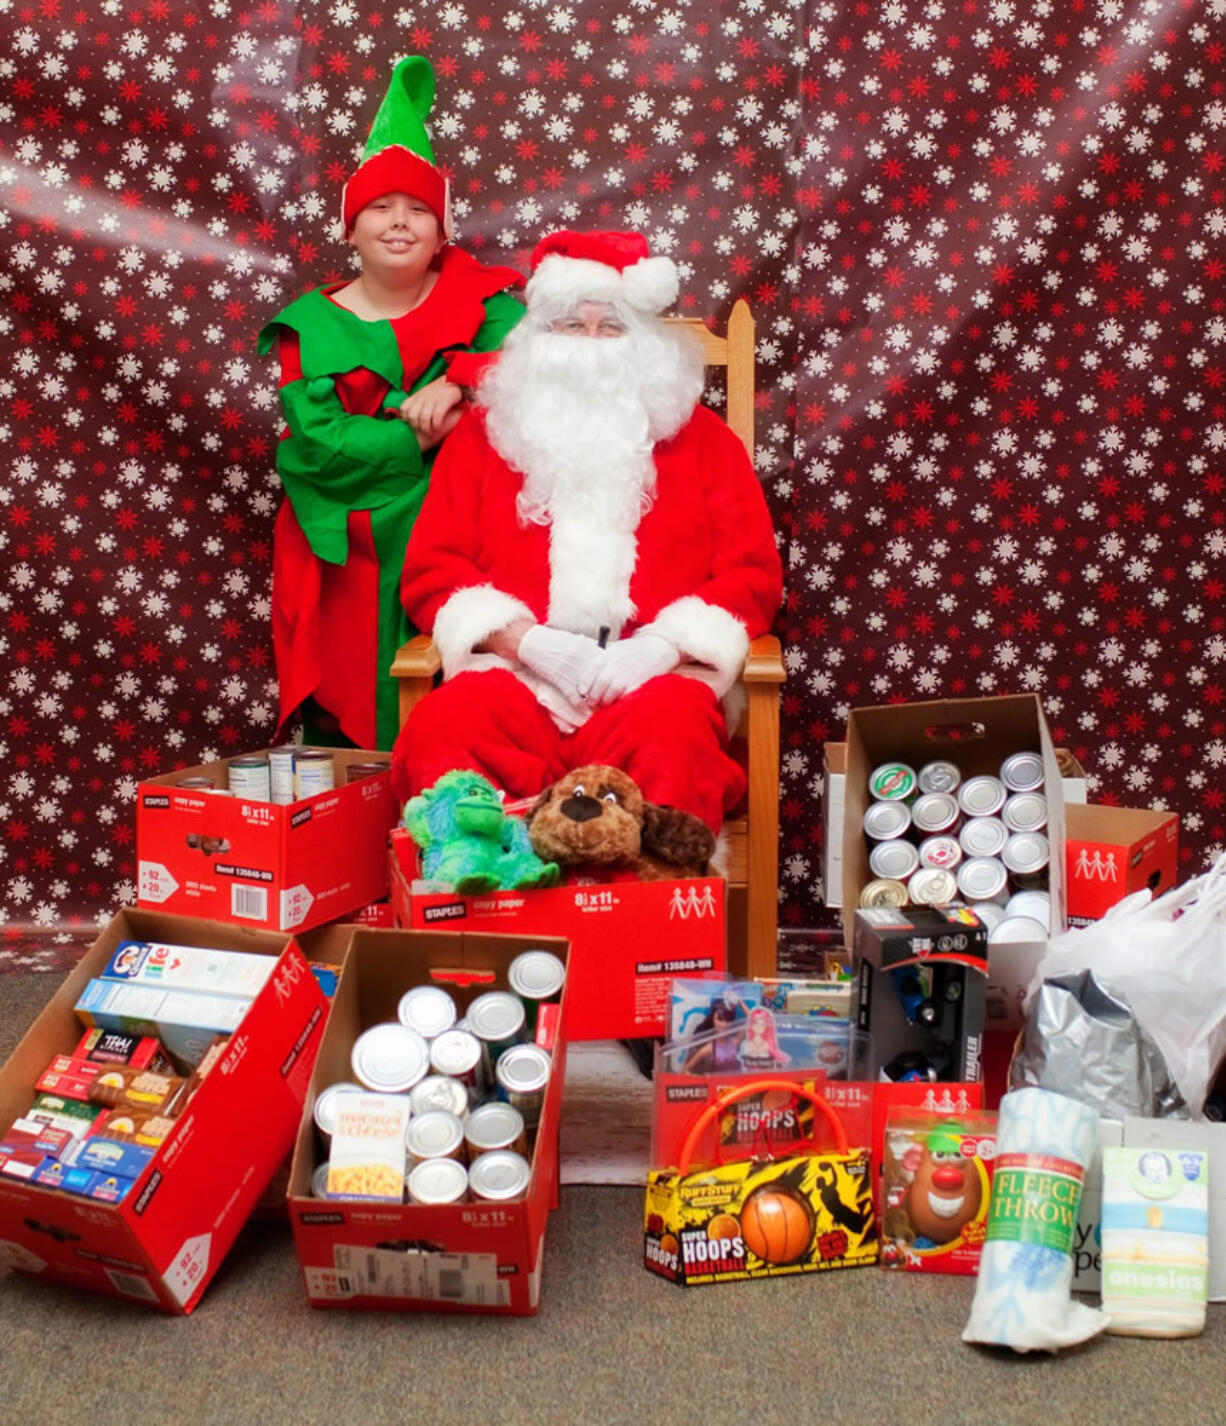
(419, 658)
(764, 662)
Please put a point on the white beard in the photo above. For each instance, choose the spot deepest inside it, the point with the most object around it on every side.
(579, 417)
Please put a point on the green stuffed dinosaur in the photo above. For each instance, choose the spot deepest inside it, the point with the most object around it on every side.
(468, 841)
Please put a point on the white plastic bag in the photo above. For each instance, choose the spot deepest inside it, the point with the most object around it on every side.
(1167, 959)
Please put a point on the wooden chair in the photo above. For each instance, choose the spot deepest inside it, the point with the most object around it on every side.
(753, 840)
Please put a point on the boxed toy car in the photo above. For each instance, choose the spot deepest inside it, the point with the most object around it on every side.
(204, 851)
(152, 1222)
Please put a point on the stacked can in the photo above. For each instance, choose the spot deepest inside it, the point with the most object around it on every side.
(475, 1087)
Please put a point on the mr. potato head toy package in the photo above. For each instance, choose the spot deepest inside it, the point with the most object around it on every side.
(937, 1175)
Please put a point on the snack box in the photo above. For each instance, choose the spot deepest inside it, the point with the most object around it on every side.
(278, 867)
(628, 939)
(164, 1241)
(461, 1257)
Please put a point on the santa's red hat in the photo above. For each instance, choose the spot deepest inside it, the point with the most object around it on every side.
(570, 267)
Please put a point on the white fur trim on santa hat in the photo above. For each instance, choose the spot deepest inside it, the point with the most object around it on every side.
(707, 634)
(468, 618)
(649, 285)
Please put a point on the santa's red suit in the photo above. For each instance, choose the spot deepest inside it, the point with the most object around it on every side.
(701, 569)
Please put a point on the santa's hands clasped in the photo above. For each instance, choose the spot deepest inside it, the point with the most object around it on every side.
(627, 665)
(565, 660)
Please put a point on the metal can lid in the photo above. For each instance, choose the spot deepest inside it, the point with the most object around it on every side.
(935, 812)
(1026, 852)
(496, 1015)
(932, 886)
(499, 1175)
(439, 1091)
(885, 820)
(1025, 812)
(523, 1069)
(1035, 904)
(312, 755)
(895, 860)
(436, 1134)
(319, 1181)
(940, 851)
(283, 751)
(437, 1181)
(1016, 928)
(195, 782)
(251, 760)
(1022, 772)
(892, 782)
(883, 891)
(455, 1052)
(326, 1105)
(983, 836)
(981, 796)
(389, 1058)
(991, 913)
(428, 1009)
(354, 772)
(939, 776)
(536, 975)
(493, 1126)
(982, 878)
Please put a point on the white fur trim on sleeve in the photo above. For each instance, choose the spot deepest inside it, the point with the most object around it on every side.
(705, 633)
(468, 618)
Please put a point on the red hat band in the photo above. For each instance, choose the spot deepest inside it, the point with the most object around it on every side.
(395, 170)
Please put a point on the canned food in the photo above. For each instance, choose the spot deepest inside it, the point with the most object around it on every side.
(536, 976)
(457, 1053)
(197, 782)
(1026, 854)
(894, 860)
(439, 1091)
(882, 891)
(935, 812)
(326, 1106)
(249, 777)
(991, 913)
(428, 1009)
(1035, 904)
(522, 1074)
(1022, 772)
(495, 1126)
(892, 782)
(499, 1175)
(438, 1181)
(932, 886)
(1016, 928)
(1025, 812)
(436, 1134)
(981, 796)
(281, 774)
(314, 772)
(982, 879)
(319, 1181)
(497, 1019)
(983, 836)
(355, 772)
(883, 821)
(940, 852)
(389, 1058)
(939, 776)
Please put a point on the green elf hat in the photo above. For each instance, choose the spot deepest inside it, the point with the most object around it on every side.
(398, 157)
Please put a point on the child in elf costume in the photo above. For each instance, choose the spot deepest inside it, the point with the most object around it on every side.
(372, 378)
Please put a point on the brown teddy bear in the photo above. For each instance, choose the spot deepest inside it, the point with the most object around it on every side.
(597, 815)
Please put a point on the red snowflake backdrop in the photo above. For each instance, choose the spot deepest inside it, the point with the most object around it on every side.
(984, 245)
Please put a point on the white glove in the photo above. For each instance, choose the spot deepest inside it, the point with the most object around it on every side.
(562, 659)
(626, 665)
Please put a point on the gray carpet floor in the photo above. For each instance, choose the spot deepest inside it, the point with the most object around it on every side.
(610, 1344)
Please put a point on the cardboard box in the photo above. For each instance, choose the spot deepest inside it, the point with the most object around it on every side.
(166, 1239)
(628, 939)
(977, 734)
(462, 1257)
(282, 868)
(1113, 851)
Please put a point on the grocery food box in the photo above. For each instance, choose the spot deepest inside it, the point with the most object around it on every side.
(165, 1240)
(470, 1256)
(1113, 851)
(628, 939)
(281, 867)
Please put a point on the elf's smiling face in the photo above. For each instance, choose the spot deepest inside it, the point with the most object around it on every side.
(397, 237)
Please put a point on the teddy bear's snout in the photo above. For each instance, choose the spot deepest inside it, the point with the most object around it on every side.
(579, 807)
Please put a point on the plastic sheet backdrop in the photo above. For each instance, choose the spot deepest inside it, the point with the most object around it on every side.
(983, 246)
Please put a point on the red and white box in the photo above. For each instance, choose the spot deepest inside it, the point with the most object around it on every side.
(628, 939)
(280, 867)
(461, 1257)
(168, 1236)
(1113, 851)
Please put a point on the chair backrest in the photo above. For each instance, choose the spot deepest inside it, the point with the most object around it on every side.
(734, 351)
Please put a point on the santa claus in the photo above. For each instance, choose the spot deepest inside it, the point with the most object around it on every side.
(594, 553)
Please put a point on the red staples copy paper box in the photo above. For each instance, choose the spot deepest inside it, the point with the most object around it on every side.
(1112, 851)
(280, 867)
(163, 1242)
(628, 939)
(455, 1257)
